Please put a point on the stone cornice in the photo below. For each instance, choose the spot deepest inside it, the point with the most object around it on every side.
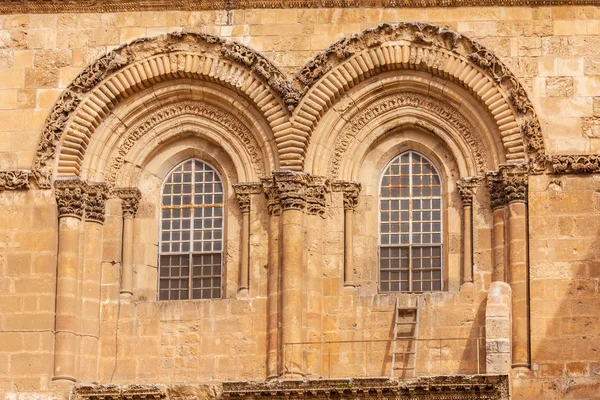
(456, 387)
(90, 6)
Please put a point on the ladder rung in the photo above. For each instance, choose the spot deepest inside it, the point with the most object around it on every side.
(407, 308)
(406, 323)
(397, 368)
(405, 337)
(404, 352)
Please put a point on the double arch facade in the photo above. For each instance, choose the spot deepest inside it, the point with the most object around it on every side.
(294, 153)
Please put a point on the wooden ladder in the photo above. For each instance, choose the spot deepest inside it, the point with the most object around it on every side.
(407, 338)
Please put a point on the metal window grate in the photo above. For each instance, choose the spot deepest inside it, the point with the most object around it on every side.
(410, 252)
(191, 238)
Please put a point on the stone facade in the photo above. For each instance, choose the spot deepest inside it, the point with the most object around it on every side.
(299, 107)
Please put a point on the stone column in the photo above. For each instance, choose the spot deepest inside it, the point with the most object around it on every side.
(70, 197)
(274, 361)
(466, 188)
(130, 201)
(498, 205)
(291, 187)
(95, 209)
(350, 191)
(243, 192)
(515, 181)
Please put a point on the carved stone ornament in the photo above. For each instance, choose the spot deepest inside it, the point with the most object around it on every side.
(360, 120)
(105, 6)
(14, 179)
(291, 186)
(351, 192)
(70, 198)
(515, 180)
(118, 392)
(272, 195)
(457, 387)
(95, 202)
(576, 164)
(316, 195)
(130, 201)
(243, 192)
(467, 187)
(228, 121)
(496, 189)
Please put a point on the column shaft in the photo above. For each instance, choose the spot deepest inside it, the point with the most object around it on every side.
(519, 282)
(348, 247)
(291, 290)
(273, 362)
(467, 244)
(499, 271)
(127, 277)
(65, 344)
(245, 253)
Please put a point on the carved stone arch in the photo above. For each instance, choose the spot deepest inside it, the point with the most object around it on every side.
(136, 66)
(422, 47)
(135, 129)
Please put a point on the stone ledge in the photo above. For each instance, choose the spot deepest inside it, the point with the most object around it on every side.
(437, 387)
(94, 6)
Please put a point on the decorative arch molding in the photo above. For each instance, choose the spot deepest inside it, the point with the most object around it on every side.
(442, 114)
(139, 65)
(413, 46)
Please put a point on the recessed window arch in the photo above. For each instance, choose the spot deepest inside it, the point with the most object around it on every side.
(190, 260)
(410, 229)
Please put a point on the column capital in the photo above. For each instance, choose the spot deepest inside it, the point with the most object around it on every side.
(70, 197)
(243, 192)
(95, 202)
(291, 186)
(316, 192)
(496, 189)
(130, 200)
(350, 190)
(272, 195)
(515, 180)
(467, 187)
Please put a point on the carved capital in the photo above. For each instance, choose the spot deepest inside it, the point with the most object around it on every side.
(316, 195)
(515, 182)
(243, 192)
(272, 195)
(70, 198)
(496, 188)
(15, 179)
(291, 186)
(130, 201)
(95, 202)
(350, 191)
(467, 187)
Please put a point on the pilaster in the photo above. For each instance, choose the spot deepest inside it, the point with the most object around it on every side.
(467, 187)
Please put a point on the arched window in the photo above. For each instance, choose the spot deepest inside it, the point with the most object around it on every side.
(191, 235)
(410, 235)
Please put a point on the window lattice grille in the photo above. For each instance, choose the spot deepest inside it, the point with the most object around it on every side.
(410, 248)
(191, 238)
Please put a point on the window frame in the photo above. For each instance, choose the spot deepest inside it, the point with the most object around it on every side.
(191, 253)
(442, 231)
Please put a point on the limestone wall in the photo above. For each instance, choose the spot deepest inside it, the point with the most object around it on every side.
(555, 53)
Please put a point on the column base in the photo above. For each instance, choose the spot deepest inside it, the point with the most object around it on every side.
(63, 379)
(242, 293)
(350, 285)
(126, 297)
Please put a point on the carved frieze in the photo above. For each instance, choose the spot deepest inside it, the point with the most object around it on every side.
(291, 186)
(130, 201)
(14, 179)
(467, 187)
(118, 392)
(576, 164)
(104, 6)
(95, 202)
(496, 189)
(515, 180)
(70, 198)
(229, 123)
(316, 195)
(360, 120)
(243, 192)
(350, 191)
(457, 387)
